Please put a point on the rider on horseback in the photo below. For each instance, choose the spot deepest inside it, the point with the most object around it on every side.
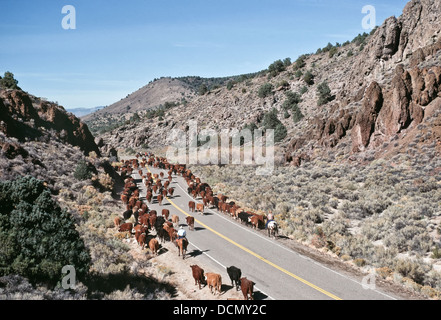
(270, 218)
(182, 234)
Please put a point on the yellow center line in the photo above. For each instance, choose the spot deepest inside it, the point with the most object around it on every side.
(255, 254)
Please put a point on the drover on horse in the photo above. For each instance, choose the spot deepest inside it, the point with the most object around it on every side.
(182, 242)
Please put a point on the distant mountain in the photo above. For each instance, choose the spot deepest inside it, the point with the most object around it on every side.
(80, 112)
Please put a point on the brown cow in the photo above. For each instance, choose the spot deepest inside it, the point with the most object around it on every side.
(144, 220)
(247, 288)
(257, 221)
(191, 206)
(149, 197)
(117, 222)
(160, 198)
(175, 220)
(198, 275)
(200, 208)
(126, 227)
(142, 240)
(190, 222)
(214, 280)
(165, 213)
(172, 233)
(154, 246)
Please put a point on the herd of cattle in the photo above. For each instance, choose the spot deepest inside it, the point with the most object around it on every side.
(142, 220)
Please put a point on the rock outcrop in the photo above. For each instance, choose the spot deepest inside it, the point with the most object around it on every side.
(367, 117)
(25, 117)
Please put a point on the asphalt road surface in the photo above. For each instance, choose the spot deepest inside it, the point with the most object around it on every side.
(278, 272)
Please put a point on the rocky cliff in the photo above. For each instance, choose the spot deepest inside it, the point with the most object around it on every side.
(26, 117)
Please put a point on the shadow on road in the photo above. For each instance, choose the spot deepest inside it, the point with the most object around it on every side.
(196, 253)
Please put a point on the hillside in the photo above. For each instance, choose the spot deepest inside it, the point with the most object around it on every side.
(398, 64)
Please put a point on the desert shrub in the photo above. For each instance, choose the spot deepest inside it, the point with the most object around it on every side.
(332, 52)
(265, 90)
(276, 67)
(82, 171)
(414, 270)
(271, 121)
(308, 77)
(230, 84)
(203, 89)
(324, 93)
(300, 62)
(38, 237)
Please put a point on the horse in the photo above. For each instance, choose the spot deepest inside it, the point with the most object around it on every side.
(182, 246)
(273, 229)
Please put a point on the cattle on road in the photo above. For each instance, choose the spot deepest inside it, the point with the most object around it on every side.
(214, 281)
(235, 274)
(247, 287)
(198, 275)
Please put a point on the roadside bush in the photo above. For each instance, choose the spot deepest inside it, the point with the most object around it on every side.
(38, 237)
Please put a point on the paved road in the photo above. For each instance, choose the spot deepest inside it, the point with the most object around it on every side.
(279, 272)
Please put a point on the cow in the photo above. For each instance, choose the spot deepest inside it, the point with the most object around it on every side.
(117, 222)
(127, 214)
(256, 221)
(160, 198)
(171, 191)
(175, 220)
(200, 208)
(198, 275)
(154, 246)
(165, 213)
(172, 233)
(243, 216)
(214, 280)
(142, 240)
(247, 287)
(191, 206)
(235, 274)
(190, 222)
(144, 220)
(152, 220)
(126, 227)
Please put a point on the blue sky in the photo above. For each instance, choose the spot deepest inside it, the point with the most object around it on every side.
(120, 46)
